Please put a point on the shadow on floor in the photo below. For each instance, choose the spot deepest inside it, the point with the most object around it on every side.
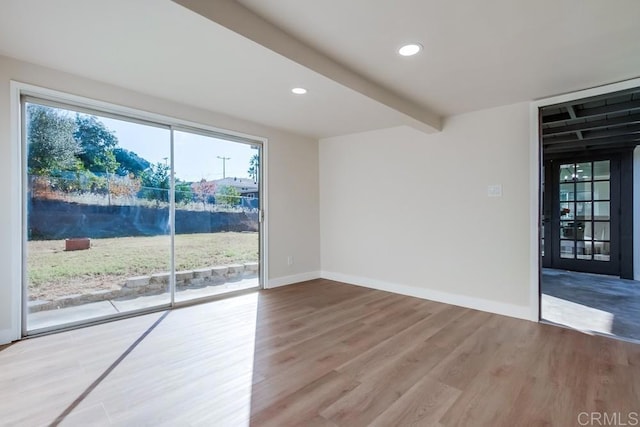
(5, 346)
(591, 302)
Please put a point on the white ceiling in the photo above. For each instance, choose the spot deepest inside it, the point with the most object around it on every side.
(477, 54)
(157, 47)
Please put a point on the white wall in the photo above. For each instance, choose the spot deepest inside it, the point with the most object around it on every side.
(292, 164)
(405, 211)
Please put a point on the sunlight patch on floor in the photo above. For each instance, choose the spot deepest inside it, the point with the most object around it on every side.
(576, 316)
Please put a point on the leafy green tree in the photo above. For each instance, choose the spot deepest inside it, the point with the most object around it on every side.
(97, 143)
(254, 167)
(129, 162)
(184, 194)
(155, 183)
(228, 195)
(51, 143)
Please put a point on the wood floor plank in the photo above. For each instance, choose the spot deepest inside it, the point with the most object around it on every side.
(473, 354)
(422, 405)
(319, 353)
(315, 323)
(379, 356)
(374, 395)
(41, 377)
(313, 358)
(488, 397)
(386, 384)
(309, 401)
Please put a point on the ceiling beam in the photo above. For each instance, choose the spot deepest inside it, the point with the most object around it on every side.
(585, 113)
(597, 134)
(622, 141)
(594, 125)
(238, 18)
(619, 107)
(553, 118)
(572, 114)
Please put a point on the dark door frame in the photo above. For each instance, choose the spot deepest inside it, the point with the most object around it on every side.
(621, 218)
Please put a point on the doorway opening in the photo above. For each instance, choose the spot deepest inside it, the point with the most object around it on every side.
(123, 215)
(590, 165)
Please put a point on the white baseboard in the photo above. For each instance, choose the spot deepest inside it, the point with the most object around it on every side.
(290, 280)
(6, 336)
(511, 310)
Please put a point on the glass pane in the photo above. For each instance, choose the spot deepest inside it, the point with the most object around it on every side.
(601, 190)
(583, 210)
(602, 231)
(587, 231)
(583, 190)
(98, 243)
(567, 211)
(584, 250)
(567, 173)
(567, 192)
(601, 211)
(601, 170)
(580, 229)
(217, 201)
(567, 249)
(583, 171)
(601, 251)
(567, 230)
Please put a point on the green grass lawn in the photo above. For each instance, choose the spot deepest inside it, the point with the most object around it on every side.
(53, 272)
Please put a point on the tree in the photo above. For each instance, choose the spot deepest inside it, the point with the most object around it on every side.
(204, 192)
(228, 195)
(183, 192)
(97, 143)
(254, 167)
(51, 144)
(155, 183)
(129, 162)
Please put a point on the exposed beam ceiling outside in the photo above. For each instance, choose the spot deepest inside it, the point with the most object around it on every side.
(607, 121)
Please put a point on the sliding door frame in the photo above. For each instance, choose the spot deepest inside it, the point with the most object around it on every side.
(18, 91)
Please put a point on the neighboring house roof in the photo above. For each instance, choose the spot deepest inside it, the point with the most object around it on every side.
(243, 185)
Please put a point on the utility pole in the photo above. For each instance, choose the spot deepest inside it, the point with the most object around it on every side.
(224, 164)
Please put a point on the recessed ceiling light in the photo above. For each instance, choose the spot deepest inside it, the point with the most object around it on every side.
(410, 49)
(299, 90)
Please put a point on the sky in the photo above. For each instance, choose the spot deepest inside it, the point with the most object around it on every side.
(196, 156)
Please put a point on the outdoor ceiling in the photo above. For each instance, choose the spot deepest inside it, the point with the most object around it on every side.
(476, 54)
(601, 122)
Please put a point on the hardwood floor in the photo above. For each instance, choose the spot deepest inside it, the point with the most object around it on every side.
(319, 353)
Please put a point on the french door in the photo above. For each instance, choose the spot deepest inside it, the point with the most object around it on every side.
(581, 226)
(125, 215)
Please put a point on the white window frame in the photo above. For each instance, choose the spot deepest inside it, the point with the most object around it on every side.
(18, 165)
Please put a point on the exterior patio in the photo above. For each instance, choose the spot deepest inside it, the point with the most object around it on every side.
(591, 303)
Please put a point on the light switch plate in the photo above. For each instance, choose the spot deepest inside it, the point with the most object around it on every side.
(494, 190)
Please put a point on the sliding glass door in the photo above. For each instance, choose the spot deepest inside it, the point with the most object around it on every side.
(217, 205)
(123, 215)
